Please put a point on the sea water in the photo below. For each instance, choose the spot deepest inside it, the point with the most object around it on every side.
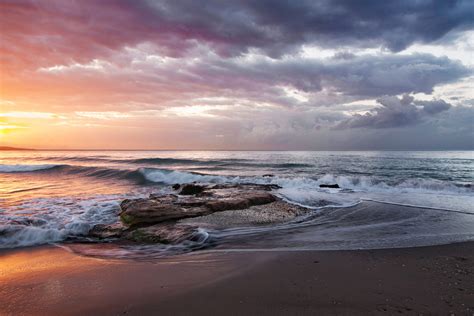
(53, 196)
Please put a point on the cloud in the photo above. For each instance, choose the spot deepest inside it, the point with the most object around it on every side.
(433, 107)
(79, 31)
(277, 27)
(260, 74)
(137, 80)
(395, 112)
(149, 54)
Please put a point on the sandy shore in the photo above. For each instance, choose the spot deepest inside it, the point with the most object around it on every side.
(425, 280)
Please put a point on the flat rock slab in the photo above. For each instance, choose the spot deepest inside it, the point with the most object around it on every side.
(210, 199)
(174, 218)
(272, 213)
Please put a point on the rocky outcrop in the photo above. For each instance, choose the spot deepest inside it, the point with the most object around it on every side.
(162, 218)
(172, 207)
(238, 203)
(266, 214)
(151, 211)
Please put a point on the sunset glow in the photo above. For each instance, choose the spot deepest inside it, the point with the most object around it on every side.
(142, 75)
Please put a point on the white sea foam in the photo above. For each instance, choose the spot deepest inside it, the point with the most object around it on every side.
(12, 236)
(360, 183)
(46, 220)
(306, 191)
(173, 176)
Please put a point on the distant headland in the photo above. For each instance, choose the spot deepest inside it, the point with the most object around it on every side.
(13, 148)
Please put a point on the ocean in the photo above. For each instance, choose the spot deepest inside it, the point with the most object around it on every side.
(426, 198)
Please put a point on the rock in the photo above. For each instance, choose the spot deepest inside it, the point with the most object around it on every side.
(193, 202)
(158, 209)
(265, 214)
(245, 186)
(176, 186)
(163, 234)
(268, 175)
(160, 218)
(152, 211)
(169, 198)
(331, 186)
(240, 202)
(103, 231)
(191, 189)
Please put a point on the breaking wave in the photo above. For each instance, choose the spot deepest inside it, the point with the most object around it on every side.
(48, 220)
(355, 183)
(24, 168)
(170, 176)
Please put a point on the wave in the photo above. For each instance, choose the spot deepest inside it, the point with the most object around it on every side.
(38, 231)
(55, 219)
(12, 236)
(88, 171)
(230, 163)
(140, 175)
(354, 183)
(25, 168)
(306, 191)
(358, 183)
(166, 176)
(301, 190)
(172, 161)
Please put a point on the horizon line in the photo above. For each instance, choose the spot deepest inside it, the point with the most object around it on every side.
(8, 148)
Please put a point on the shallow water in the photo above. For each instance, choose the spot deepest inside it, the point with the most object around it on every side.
(48, 197)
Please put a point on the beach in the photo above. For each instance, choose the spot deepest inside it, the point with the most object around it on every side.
(49, 280)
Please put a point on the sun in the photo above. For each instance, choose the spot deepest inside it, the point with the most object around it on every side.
(6, 129)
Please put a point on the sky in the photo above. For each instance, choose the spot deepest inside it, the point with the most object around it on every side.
(237, 75)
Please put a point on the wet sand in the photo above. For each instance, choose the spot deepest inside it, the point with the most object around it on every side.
(425, 280)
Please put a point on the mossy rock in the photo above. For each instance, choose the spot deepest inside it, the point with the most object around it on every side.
(162, 233)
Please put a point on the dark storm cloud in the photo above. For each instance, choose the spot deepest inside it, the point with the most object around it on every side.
(279, 26)
(395, 112)
(42, 34)
(62, 31)
(376, 75)
(361, 76)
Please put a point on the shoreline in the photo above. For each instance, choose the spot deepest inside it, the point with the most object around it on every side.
(420, 280)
